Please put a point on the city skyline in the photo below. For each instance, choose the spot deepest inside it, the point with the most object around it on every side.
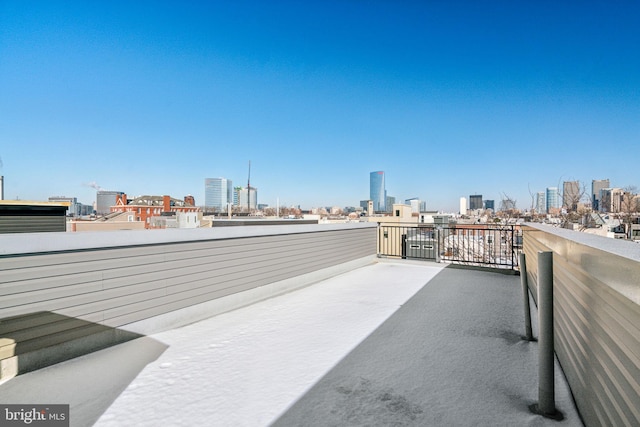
(448, 99)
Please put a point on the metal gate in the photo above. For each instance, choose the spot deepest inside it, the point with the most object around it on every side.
(482, 245)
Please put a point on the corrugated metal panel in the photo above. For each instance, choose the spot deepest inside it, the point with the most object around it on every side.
(597, 326)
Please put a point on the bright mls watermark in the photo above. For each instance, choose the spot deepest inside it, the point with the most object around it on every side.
(34, 415)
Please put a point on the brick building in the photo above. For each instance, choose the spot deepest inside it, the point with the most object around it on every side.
(144, 207)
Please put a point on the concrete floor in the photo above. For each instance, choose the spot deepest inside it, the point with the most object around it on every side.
(452, 355)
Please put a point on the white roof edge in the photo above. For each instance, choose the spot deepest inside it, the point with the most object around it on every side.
(623, 248)
(25, 243)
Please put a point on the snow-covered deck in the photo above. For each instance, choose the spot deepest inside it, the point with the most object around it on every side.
(393, 343)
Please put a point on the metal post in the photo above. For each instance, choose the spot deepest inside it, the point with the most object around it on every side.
(525, 292)
(546, 392)
(437, 244)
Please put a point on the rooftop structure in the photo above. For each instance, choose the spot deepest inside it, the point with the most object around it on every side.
(19, 216)
(419, 344)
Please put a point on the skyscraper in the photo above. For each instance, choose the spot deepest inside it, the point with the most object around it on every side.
(553, 198)
(218, 192)
(541, 204)
(377, 191)
(248, 198)
(475, 201)
(597, 185)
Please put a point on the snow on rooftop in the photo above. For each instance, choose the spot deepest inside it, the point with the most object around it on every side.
(246, 367)
(267, 363)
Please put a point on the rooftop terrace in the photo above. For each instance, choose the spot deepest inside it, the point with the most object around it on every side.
(305, 325)
(391, 343)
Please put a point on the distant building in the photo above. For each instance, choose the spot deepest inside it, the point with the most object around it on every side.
(475, 201)
(74, 208)
(176, 219)
(389, 201)
(248, 198)
(377, 191)
(417, 205)
(597, 185)
(143, 208)
(463, 206)
(541, 202)
(553, 199)
(612, 200)
(491, 204)
(218, 193)
(571, 195)
(106, 199)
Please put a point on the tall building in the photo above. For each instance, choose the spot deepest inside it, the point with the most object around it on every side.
(389, 202)
(491, 204)
(475, 201)
(541, 202)
(611, 200)
(597, 185)
(218, 192)
(463, 205)
(248, 198)
(553, 198)
(571, 195)
(377, 191)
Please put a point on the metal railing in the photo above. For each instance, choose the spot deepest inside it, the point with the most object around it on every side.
(496, 246)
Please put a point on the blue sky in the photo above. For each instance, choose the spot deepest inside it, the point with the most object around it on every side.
(449, 98)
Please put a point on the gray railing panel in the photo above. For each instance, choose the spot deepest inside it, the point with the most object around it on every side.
(597, 325)
(128, 283)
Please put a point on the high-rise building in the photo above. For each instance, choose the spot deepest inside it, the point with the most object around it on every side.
(491, 204)
(377, 191)
(597, 185)
(248, 198)
(553, 198)
(463, 205)
(475, 201)
(541, 202)
(571, 195)
(389, 202)
(218, 193)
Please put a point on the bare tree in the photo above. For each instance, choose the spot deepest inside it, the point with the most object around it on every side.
(629, 207)
(571, 193)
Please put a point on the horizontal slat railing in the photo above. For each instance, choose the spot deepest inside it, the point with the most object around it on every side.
(597, 320)
(120, 285)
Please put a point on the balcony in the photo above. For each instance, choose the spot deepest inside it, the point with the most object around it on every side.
(363, 340)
